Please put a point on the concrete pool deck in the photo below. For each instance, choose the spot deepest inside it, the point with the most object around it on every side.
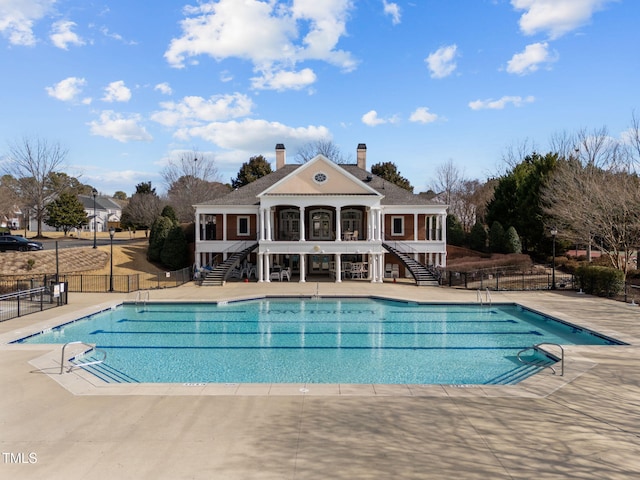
(585, 425)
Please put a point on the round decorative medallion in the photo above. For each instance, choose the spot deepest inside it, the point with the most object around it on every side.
(320, 177)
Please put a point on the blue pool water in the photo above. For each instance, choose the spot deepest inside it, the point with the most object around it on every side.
(316, 341)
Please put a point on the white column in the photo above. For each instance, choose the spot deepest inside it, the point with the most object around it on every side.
(370, 225)
(338, 224)
(268, 218)
(443, 222)
(372, 267)
(338, 264)
(224, 227)
(259, 267)
(302, 227)
(303, 268)
(380, 222)
(267, 277)
(415, 227)
(380, 267)
(261, 225)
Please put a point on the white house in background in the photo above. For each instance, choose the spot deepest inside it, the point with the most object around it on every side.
(107, 212)
(320, 219)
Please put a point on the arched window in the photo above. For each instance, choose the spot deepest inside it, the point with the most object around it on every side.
(289, 227)
(321, 224)
(351, 219)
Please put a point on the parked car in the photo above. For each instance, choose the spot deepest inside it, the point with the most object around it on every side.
(15, 242)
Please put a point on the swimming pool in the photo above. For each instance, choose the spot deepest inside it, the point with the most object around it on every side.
(292, 340)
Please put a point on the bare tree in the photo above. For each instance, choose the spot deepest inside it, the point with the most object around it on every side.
(9, 199)
(633, 141)
(595, 205)
(447, 181)
(324, 147)
(191, 179)
(513, 154)
(33, 161)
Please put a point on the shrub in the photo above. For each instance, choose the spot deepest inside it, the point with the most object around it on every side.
(174, 253)
(512, 242)
(159, 231)
(601, 281)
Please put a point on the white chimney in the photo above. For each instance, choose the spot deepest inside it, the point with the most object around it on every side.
(281, 156)
(362, 156)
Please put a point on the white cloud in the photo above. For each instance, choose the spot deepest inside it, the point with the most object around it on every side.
(62, 36)
(393, 10)
(284, 80)
(67, 90)
(268, 34)
(423, 115)
(163, 88)
(252, 135)
(501, 103)
(371, 119)
(17, 18)
(117, 92)
(197, 110)
(119, 127)
(529, 60)
(556, 17)
(442, 63)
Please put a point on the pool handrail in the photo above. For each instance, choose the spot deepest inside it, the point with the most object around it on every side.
(92, 346)
(537, 347)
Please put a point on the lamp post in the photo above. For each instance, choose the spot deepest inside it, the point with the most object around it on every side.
(554, 232)
(112, 232)
(95, 221)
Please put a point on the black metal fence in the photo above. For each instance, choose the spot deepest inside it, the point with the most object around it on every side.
(508, 280)
(82, 283)
(24, 302)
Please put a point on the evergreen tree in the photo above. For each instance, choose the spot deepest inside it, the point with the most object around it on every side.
(159, 232)
(455, 233)
(66, 212)
(389, 171)
(174, 253)
(478, 237)
(250, 171)
(169, 212)
(496, 238)
(512, 241)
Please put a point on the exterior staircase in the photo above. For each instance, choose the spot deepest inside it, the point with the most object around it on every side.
(219, 274)
(423, 275)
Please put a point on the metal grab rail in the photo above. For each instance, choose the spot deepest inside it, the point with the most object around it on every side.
(537, 348)
(479, 297)
(91, 347)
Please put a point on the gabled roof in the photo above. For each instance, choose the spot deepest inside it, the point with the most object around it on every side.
(301, 182)
(249, 194)
(102, 203)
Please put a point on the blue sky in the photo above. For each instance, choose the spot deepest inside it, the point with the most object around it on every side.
(127, 85)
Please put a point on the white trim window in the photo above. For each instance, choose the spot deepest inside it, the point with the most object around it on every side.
(244, 226)
(397, 226)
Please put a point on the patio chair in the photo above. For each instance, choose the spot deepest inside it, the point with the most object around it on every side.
(275, 274)
(286, 272)
(395, 271)
(387, 270)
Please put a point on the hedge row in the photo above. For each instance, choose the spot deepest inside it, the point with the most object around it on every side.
(601, 281)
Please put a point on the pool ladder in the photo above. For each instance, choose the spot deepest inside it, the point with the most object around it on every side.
(142, 297)
(487, 297)
(538, 348)
(91, 346)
